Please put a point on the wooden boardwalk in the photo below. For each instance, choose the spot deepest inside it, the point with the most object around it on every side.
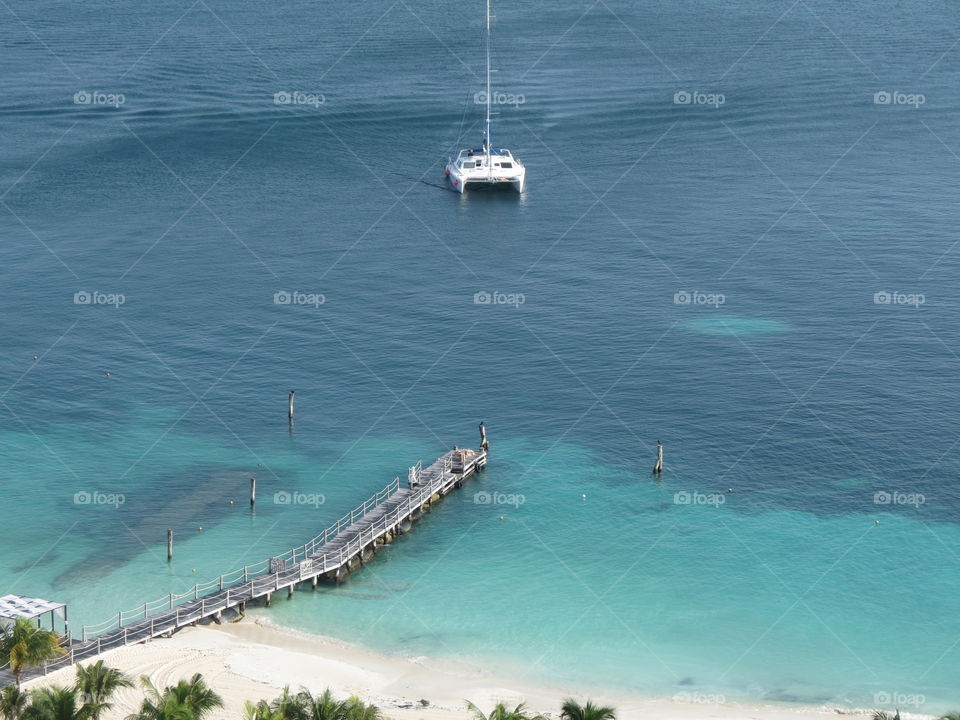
(340, 549)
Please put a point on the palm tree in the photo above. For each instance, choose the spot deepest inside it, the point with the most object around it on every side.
(884, 715)
(322, 707)
(572, 710)
(359, 710)
(290, 707)
(259, 711)
(55, 703)
(25, 645)
(96, 684)
(13, 701)
(502, 712)
(187, 700)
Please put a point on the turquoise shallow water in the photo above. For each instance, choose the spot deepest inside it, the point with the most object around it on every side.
(813, 400)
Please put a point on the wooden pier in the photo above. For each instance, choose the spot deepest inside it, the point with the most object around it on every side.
(340, 549)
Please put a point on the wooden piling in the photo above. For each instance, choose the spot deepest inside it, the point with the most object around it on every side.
(169, 544)
(484, 445)
(290, 406)
(658, 465)
(253, 491)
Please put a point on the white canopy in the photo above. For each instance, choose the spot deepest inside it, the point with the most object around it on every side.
(18, 606)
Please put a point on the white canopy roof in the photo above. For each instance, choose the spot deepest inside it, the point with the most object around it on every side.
(18, 606)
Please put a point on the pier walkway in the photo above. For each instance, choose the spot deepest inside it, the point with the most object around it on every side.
(340, 549)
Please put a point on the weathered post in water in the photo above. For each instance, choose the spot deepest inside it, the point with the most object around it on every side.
(253, 491)
(658, 466)
(169, 544)
(484, 445)
(290, 407)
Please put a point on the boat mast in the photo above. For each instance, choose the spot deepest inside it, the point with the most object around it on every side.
(489, 168)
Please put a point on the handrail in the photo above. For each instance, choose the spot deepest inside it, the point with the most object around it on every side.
(235, 577)
(263, 575)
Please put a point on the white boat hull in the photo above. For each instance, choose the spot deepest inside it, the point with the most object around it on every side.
(460, 181)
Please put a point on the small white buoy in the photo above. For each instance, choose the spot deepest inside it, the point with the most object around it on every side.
(584, 496)
(194, 570)
(108, 374)
(876, 522)
(36, 357)
(729, 490)
(233, 502)
(200, 528)
(501, 517)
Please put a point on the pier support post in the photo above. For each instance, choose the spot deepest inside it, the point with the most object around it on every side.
(290, 407)
(658, 465)
(269, 598)
(290, 592)
(313, 583)
(169, 544)
(253, 491)
(484, 445)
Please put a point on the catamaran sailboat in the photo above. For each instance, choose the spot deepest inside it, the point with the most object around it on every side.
(486, 165)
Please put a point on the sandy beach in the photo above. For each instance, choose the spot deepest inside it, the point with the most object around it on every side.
(254, 659)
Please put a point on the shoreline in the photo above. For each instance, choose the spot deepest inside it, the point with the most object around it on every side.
(255, 658)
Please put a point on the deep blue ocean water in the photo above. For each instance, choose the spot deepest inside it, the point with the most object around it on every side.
(802, 544)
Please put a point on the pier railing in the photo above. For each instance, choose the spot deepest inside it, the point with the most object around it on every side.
(304, 558)
(336, 547)
(241, 576)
